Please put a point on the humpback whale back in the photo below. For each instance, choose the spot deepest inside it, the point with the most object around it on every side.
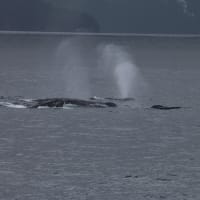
(53, 102)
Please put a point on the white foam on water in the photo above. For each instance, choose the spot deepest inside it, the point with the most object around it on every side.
(69, 106)
(42, 107)
(10, 105)
(27, 100)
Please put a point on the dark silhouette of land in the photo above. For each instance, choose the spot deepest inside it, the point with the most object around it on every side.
(138, 16)
(39, 15)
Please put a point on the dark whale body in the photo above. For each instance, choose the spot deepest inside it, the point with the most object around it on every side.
(60, 102)
(54, 102)
(160, 107)
(94, 102)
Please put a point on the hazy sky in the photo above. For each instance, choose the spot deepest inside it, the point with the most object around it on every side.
(140, 16)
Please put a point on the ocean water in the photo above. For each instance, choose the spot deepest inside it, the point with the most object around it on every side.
(128, 152)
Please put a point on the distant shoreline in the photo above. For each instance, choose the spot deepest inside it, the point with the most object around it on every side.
(98, 34)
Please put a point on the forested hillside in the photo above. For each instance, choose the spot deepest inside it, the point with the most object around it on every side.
(137, 16)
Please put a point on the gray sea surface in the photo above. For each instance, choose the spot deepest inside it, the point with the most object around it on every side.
(123, 153)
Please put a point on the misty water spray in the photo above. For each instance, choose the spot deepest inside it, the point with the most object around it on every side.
(125, 73)
(73, 58)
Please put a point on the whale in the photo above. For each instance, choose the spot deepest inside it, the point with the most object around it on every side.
(53, 102)
(93, 102)
(60, 102)
(161, 107)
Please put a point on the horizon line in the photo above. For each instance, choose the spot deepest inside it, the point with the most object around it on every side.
(97, 34)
